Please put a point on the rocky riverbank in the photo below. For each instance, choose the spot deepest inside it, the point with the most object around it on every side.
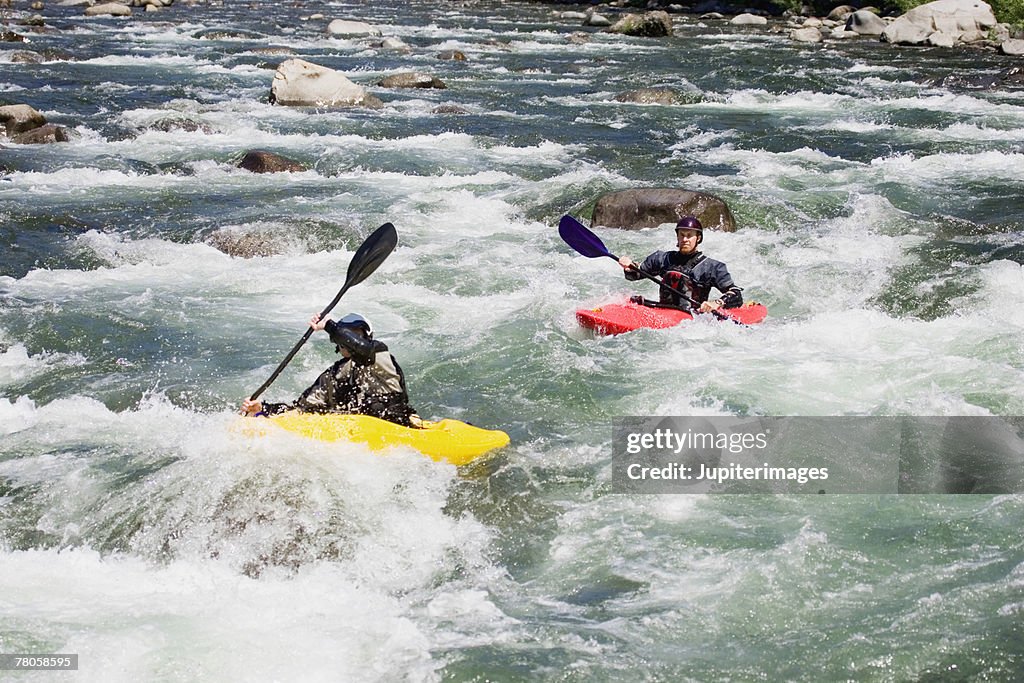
(944, 23)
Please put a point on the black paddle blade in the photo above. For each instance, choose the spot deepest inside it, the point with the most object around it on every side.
(580, 238)
(368, 257)
(371, 253)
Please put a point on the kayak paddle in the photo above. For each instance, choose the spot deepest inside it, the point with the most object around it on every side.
(367, 258)
(583, 240)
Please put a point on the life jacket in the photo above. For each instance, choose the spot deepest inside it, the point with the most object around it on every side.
(682, 277)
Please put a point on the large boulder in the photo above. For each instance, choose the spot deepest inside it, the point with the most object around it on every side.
(648, 207)
(42, 135)
(809, 34)
(647, 25)
(841, 12)
(865, 23)
(113, 9)
(18, 118)
(304, 84)
(1013, 46)
(747, 19)
(936, 23)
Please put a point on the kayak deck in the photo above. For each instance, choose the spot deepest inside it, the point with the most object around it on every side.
(445, 440)
(618, 318)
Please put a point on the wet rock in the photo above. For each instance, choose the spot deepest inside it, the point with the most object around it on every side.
(18, 118)
(656, 24)
(113, 9)
(42, 135)
(648, 207)
(449, 109)
(226, 33)
(841, 12)
(411, 79)
(26, 57)
(1011, 78)
(747, 19)
(452, 56)
(169, 124)
(245, 244)
(650, 96)
(865, 23)
(341, 27)
(301, 83)
(810, 34)
(393, 44)
(273, 50)
(260, 161)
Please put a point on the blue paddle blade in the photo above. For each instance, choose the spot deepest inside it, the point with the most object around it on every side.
(580, 238)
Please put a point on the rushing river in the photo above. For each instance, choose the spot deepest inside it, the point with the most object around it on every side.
(881, 220)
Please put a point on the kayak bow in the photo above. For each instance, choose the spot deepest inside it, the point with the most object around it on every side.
(618, 318)
(446, 440)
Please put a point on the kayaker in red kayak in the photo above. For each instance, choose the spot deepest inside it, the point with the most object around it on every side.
(367, 381)
(687, 270)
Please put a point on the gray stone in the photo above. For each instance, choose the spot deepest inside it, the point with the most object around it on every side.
(114, 9)
(865, 23)
(638, 208)
(952, 17)
(18, 118)
(1013, 46)
(411, 79)
(301, 83)
(260, 161)
(648, 25)
(42, 135)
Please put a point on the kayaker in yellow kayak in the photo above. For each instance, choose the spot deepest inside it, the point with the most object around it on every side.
(687, 270)
(367, 381)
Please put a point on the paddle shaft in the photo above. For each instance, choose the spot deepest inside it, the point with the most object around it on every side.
(295, 349)
(654, 278)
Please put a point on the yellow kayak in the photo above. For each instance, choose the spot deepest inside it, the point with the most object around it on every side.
(448, 440)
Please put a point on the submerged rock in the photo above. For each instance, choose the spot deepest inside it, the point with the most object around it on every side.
(260, 161)
(411, 79)
(246, 243)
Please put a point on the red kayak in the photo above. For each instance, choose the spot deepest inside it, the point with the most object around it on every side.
(628, 316)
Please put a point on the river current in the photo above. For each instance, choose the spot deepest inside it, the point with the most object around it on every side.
(880, 218)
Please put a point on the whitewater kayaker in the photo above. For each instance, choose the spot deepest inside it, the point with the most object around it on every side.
(687, 270)
(366, 381)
